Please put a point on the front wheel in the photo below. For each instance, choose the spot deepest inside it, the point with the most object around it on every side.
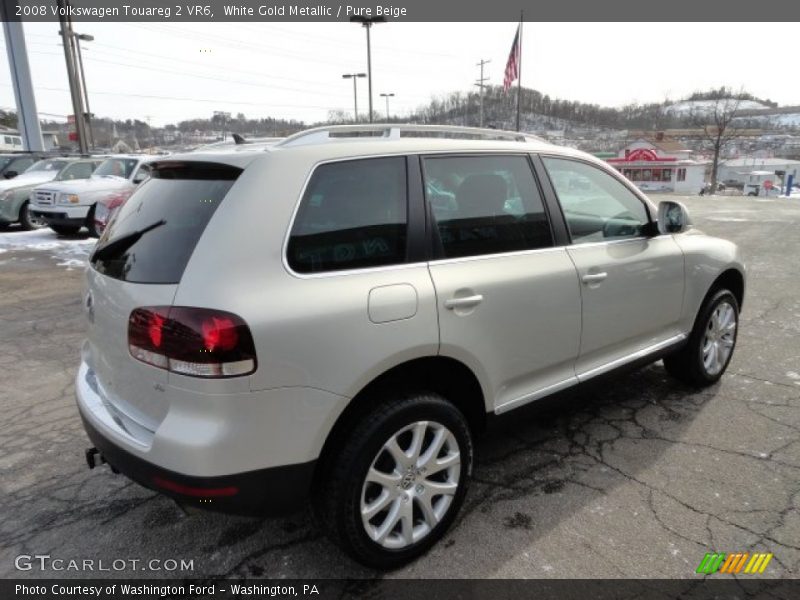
(28, 221)
(91, 224)
(710, 347)
(394, 486)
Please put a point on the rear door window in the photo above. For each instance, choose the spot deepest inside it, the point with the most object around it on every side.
(353, 215)
(485, 205)
(157, 229)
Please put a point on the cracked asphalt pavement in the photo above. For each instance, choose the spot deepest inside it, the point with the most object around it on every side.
(637, 477)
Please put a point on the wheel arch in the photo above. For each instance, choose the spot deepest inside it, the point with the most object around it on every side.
(731, 279)
(444, 375)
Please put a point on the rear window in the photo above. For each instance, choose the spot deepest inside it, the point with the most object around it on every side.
(156, 230)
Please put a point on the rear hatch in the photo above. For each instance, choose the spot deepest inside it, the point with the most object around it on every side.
(138, 262)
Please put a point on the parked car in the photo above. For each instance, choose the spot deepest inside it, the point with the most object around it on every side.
(12, 165)
(68, 206)
(300, 321)
(107, 207)
(15, 193)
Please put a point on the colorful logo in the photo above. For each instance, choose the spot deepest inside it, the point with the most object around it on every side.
(733, 563)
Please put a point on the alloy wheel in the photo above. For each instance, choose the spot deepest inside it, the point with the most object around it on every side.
(410, 484)
(719, 339)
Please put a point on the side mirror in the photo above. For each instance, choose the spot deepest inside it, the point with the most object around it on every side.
(673, 217)
(10, 174)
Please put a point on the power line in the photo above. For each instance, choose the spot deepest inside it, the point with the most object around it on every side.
(185, 74)
(185, 99)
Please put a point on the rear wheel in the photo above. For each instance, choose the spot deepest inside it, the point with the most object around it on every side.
(66, 229)
(28, 221)
(394, 486)
(703, 360)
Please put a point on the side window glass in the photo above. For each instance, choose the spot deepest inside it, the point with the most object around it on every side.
(485, 205)
(597, 207)
(23, 164)
(353, 215)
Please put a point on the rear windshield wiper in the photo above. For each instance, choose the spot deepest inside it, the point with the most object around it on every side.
(124, 242)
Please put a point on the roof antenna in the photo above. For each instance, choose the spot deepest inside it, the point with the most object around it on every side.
(238, 139)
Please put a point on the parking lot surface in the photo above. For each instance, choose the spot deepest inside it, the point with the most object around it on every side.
(637, 477)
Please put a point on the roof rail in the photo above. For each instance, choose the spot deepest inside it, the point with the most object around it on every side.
(394, 131)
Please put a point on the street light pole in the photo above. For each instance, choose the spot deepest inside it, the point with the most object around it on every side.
(387, 96)
(354, 77)
(367, 23)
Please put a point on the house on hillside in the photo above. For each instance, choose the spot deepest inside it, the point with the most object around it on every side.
(658, 163)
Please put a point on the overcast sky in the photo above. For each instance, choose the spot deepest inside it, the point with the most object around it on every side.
(169, 72)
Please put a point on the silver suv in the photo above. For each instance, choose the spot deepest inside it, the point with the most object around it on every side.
(335, 316)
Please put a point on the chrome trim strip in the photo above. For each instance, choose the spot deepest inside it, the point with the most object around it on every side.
(450, 261)
(545, 391)
(586, 375)
(630, 357)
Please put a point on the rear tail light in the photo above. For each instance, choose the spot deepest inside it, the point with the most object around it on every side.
(198, 342)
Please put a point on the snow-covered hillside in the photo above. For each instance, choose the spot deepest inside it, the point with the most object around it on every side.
(681, 109)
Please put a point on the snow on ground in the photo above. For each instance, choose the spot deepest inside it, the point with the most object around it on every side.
(71, 252)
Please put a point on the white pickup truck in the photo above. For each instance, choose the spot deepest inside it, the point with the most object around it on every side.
(68, 206)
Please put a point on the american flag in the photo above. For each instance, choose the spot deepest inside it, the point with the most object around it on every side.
(512, 66)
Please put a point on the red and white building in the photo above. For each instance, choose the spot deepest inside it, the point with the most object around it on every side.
(660, 164)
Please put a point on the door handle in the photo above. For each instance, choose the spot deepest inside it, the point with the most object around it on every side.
(594, 277)
(462, 302)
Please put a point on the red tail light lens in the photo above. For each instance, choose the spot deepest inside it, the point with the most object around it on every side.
(198, 342)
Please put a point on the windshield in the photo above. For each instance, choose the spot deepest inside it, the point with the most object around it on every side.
(77, 170)
(156, 230)
(116, 167)
(50, 164)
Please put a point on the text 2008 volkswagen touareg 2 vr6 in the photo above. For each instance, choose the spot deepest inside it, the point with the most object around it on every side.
(335, 316)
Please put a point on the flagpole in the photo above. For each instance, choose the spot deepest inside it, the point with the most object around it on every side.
(519, 73)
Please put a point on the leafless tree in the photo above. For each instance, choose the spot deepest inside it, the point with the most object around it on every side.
(717, 125)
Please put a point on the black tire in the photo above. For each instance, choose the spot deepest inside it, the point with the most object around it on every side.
(338, 492)
(687, 364)
(91, 225)
(66, 229)
(26, 221)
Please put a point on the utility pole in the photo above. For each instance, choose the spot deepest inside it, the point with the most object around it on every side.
(480, 83)
(68, 40)
(27, 116)
(86, 38)
(367, 23)
(355, 77)
(387, 96)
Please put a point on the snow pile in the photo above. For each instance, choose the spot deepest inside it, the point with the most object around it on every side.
(71, 252)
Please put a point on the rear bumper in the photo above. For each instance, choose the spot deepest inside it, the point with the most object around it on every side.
(273, 491)
(264, 444)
